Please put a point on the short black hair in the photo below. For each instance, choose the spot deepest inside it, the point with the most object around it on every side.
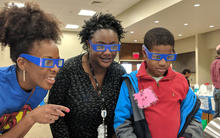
(186, 71)
(97, 22)
(158, 36)
(21, 27)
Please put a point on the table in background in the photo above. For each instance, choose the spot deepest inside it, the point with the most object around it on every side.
(207, 107)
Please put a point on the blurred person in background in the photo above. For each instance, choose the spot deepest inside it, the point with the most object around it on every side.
(215, 76)
(187, 74)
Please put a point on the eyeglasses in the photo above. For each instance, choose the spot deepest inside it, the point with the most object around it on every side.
(44, 62)
(104, 47)
(158, 57)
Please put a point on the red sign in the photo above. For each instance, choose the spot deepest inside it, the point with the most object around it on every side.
(135, 55)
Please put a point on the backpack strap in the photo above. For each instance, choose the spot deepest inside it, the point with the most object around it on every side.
(140, 123)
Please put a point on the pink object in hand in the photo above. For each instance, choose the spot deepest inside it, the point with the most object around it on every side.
(145, 98)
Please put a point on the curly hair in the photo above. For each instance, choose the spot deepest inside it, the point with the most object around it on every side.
(21, 27)
(158, 36)
(97, 22)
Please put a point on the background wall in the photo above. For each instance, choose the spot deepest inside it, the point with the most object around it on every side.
(70, 45)
(128, 48)
(5, 57)
(204, 47)
(185, 61)
(185, 45)
(212, 39)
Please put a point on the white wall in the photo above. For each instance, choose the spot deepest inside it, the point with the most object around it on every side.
(212, 39)
(185, 45)
(5, 57)
(204, 47)
(204, 60)
(70, 45)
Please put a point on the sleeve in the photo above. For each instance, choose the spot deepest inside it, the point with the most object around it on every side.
(194, 128)
(57, 96)
(123, 114)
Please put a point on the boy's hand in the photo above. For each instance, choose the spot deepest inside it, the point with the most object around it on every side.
(47, 114)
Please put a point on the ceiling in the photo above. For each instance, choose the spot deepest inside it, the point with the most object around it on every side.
(174, 17)
(139, 15)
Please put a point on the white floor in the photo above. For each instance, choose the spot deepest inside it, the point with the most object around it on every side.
(39, 131)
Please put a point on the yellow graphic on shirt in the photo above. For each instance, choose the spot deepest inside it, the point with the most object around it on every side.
(7, 121)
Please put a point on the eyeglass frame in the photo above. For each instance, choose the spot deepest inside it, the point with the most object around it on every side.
(41, 61)
(162, 56)
(107, 46)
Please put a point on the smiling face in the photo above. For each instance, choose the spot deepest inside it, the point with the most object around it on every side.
(39, 76)
(103, 59)
(158, 68)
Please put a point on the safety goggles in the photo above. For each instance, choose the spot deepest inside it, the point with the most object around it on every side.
(104, 47)
(44, 62)
(158, 57)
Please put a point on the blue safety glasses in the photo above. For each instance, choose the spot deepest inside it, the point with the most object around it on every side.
(44, 62)
(104, 47)
(158, 57)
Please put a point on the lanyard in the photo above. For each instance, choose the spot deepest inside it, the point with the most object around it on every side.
(98, 87)
(102, 129)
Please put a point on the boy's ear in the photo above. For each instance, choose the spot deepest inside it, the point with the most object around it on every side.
(144, 53)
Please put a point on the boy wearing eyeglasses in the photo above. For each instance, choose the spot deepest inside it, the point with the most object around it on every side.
(156, 101)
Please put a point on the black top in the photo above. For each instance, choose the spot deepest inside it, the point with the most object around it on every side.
(188, 81)
(74, 90)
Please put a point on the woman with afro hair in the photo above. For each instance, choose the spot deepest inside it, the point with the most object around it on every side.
(31, 35)
(89, 83)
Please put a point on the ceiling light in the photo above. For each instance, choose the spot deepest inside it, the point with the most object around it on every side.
(72, 26)
(196, 5)
(131, 32)
(211, 26)
(86, 12)
(156, 21)
(19, 5)
(180, 35)
(135, 40)
(186, 24)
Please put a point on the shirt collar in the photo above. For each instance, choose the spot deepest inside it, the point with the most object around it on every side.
(142, 73)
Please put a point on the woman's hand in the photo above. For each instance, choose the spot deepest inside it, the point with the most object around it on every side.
(47, 114)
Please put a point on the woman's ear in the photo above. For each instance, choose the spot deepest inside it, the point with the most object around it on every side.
(87, 42)
(21, 63)
(89, 46)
